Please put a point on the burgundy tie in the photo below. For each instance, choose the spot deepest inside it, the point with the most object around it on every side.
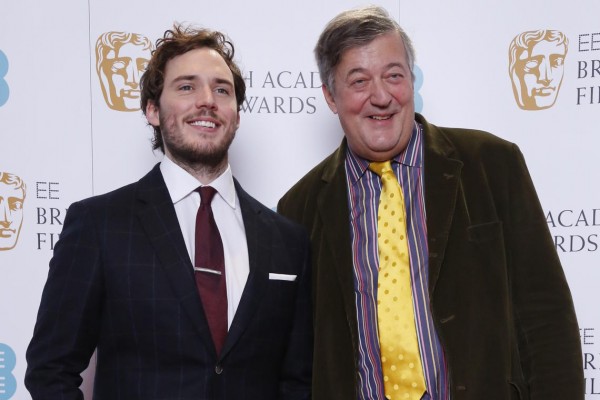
(210, 268)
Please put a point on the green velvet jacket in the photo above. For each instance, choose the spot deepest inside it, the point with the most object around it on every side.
(499, 298)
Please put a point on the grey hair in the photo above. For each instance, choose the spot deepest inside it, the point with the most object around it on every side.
(354, 28)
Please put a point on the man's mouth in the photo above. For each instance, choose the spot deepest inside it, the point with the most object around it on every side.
(206, 124)
(380, 117)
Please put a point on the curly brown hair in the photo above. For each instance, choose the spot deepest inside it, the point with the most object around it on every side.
(178, 41)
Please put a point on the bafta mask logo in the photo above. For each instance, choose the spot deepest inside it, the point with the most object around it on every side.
(12, 197)
(536, 67)
(121, 59)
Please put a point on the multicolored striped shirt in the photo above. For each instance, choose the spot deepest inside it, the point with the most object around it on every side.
(363, 197)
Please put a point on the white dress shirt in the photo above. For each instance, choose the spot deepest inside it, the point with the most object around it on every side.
(228, 216)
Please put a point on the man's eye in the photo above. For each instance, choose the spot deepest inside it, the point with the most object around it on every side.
(185, 87)
(222, 91)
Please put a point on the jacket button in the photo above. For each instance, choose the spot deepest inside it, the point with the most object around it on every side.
(218, 369)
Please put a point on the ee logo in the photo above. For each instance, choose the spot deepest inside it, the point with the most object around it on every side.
(8, 383)
(3, 85)
(418, 85)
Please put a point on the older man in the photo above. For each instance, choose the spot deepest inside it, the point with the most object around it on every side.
(434, 273)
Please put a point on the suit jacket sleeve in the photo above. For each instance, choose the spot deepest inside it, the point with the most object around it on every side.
(67, 326)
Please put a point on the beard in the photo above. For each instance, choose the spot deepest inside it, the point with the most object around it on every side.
(195, 153)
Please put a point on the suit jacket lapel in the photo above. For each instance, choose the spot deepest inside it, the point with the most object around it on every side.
(157, 217)
(442, 177)
(258, 238)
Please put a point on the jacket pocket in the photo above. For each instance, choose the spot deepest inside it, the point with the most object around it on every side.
(485, 232)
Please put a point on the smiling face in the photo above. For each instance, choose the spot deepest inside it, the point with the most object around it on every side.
(198, 113)
(373, 97)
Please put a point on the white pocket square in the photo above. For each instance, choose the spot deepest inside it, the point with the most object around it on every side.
(282, 277)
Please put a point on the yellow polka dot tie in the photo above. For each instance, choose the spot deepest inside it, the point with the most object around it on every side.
(400, 356)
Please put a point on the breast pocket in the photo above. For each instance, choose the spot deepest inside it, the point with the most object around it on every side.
(281, 293)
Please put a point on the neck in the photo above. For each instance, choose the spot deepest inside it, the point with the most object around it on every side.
(204, 173)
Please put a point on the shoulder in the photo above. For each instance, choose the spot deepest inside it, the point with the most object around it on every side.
(466, 144)
(324, 173)
(108, 205)
(149, 188)
(277, 222)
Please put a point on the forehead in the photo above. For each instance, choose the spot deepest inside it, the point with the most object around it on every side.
(203, 62)
(384, 50)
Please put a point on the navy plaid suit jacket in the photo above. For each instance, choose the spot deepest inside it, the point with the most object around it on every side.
(121, 282)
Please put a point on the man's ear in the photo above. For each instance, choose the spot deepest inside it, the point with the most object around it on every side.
(329, 99)
(152, 113)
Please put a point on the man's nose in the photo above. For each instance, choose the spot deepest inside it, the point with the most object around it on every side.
(205, 98)
(380, 95)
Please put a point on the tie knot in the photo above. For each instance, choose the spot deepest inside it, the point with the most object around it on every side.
(381, 167)
(206, 194)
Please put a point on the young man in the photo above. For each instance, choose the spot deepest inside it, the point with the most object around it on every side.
(182, 297)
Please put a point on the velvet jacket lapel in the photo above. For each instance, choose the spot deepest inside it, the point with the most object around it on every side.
(332, 204)
(441, 177)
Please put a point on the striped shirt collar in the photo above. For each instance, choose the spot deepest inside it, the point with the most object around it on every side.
(410, 156)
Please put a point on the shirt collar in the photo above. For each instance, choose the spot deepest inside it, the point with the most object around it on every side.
(411, 155)
(181, 183)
